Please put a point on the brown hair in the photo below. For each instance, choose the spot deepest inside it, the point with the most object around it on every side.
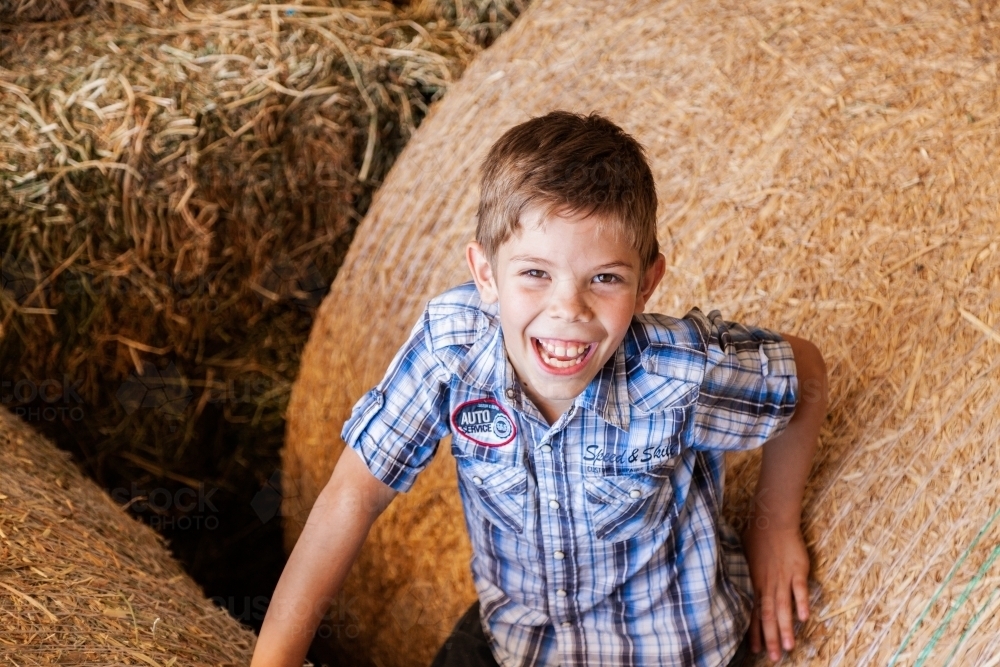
(571, 163)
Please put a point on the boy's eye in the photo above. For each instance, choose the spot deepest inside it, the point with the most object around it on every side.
(534, 273)
(606, 278)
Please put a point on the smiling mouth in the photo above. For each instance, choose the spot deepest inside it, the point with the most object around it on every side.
(562, 354)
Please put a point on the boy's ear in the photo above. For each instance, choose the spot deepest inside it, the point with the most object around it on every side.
(482, 272)
(650, 279)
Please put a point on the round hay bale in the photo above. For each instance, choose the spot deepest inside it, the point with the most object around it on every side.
(85, 583)
(827, 170)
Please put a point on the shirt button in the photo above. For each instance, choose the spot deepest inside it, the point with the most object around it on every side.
(567, 624)
(477, 480)
(561, 593)
(634, 493)
(558, 555)
(545, 449)
(510, 393)
(554, 504)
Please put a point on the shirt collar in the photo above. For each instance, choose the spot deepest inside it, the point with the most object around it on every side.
(505, 377)
(483, 366)
(607, 393)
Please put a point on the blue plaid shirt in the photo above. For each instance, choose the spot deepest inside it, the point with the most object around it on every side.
(596, 540)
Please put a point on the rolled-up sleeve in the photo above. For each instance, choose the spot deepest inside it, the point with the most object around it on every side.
(750, 387)
(397, 425)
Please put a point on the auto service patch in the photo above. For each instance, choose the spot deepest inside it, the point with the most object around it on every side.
(483, 421)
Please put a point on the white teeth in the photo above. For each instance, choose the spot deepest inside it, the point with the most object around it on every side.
(549, 350)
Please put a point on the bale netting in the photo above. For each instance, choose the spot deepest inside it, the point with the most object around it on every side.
(84, 583)
(826, 170)
(177, 191)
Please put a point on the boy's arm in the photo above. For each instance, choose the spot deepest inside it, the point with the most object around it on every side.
(776, 553)
(334, 532)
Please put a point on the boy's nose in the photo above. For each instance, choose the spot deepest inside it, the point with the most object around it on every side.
(569, 303)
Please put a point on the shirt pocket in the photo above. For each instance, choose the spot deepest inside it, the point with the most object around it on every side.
(498, 491)
(627, 505)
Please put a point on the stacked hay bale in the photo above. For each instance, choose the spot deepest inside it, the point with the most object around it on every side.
(84, 583)
(178, 187)
(826, 170)
(13, 12)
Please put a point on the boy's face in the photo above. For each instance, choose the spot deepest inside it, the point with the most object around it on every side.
(567, 293)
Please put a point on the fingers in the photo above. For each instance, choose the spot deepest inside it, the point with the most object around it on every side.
(772, 618)
(755, 631)
(779, 571)
(785, 621)
(801, 591)
(769, 623)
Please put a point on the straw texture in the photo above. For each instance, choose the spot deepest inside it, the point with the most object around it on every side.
(178, 187)
(824, 169)
(83, 583)
(14, 12)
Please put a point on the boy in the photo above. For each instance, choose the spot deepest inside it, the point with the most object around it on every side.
(588, 437)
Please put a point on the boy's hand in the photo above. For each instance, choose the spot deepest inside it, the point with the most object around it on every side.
(775, 550)
(779, 568)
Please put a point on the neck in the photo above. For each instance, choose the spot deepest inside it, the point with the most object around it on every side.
(551, 410)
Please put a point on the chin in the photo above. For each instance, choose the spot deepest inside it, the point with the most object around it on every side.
(562, 391)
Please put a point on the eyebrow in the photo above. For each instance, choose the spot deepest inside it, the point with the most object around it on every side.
(613, 265)
(531, 259)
